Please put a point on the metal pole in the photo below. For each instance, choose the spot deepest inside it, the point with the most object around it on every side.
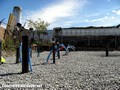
(53, 45)
(25, 54)
(58, 50)
(107, 50)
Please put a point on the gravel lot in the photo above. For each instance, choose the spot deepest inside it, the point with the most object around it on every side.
(82, 70)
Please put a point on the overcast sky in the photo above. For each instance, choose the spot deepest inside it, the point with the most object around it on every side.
(66, 13)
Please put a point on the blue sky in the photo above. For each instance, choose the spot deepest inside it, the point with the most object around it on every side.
(66, 13)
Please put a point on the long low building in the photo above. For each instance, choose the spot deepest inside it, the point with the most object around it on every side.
(89, 37)
(90, 32)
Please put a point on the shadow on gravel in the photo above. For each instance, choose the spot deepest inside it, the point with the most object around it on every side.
(110, 56)
(10, 74)
(7, 63)
(49, 63)
(36, 64)
(44, 63)
(11, 63)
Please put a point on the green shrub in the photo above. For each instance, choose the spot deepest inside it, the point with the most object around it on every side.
(9, 44)
(3, 44)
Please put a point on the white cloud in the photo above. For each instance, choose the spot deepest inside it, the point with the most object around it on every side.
(60, 24)
(53, 13)
(104, 19)
(116, 11)
(3, 25)
(108, 0)
(93, 15)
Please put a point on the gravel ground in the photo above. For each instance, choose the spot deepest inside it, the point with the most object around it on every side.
(82, 70)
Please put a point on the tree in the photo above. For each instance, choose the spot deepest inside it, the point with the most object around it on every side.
(39, 25)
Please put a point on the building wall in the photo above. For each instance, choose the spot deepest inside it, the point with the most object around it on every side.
(91, 32)
(97, 37)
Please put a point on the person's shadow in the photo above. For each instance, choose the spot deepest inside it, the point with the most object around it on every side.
(10, 74)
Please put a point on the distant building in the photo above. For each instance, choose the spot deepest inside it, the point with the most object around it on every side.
(89, 36)
(50, 34)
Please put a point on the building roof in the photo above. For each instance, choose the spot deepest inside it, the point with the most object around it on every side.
(91, 27)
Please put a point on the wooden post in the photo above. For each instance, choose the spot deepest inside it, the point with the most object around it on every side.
(58, 50)
(17, 55)
(25, 54)
(107, 50)
(53, 45)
